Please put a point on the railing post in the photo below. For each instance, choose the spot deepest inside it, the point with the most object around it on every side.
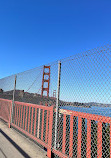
(57, 103)
(79, 137)
(10, 105)
(64, 134)
(50, 133)
(99, 140)
(38, 127)
(13, 98)
(71, 137)
(110, 138)
(88, 138)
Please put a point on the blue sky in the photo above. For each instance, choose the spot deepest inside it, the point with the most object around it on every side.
(33, 33)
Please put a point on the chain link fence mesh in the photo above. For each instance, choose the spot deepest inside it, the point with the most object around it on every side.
(6, 87)
(29, 86)
(83, 123)
(85, 87)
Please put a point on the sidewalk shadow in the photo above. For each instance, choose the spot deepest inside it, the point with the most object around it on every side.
(15, 145)
(3, 153)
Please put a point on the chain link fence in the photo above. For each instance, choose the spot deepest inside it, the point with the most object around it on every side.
(81, 123)
(85, 88)
(7, 87)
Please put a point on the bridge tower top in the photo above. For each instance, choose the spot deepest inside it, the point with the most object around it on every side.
(45, 80)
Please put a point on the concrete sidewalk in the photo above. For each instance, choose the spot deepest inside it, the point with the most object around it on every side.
(15, 145)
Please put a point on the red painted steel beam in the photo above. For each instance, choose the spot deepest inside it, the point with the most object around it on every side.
(32, 105)
(64, 134)
(38, 127)
(29, 120)
(47, 120)
(71, 137)
(99, 140)
(9, 124)
(17, 115)
(6, 100)
(79, 137)
(1, 117)
(32, 119)
(110, 139)
(26, 118)
(21, 116)
(86, 115)
(35, 121)
(50, 133)
(42, 130)
(88, 138)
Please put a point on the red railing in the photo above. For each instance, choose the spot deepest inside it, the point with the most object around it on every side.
(36, 121)
(33, 120)
(89, 117)
(30, 118)
(5, 110)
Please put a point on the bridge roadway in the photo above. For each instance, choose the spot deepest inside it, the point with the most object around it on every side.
(15, 145)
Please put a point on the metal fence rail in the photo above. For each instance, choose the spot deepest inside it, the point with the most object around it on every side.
(5, 110)
(81, 137)
(79, 88)
(30, 118)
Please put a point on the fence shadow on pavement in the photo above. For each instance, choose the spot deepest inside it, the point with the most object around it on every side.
(14, 144)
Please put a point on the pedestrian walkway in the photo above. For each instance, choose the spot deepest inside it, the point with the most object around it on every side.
(13, 144)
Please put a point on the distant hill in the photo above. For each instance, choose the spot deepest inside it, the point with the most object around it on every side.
(35, 98)
(98, 104)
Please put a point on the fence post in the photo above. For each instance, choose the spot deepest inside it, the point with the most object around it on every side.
(13, 97)
(57, 102)
(10, 106)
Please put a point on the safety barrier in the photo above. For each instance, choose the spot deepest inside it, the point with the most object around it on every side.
(33, 120)
(76, 141)
(5, 110)
(30, 118)
(36, 121)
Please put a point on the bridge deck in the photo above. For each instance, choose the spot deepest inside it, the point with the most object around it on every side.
(14, 144)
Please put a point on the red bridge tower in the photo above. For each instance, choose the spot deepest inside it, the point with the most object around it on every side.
(45, 80)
